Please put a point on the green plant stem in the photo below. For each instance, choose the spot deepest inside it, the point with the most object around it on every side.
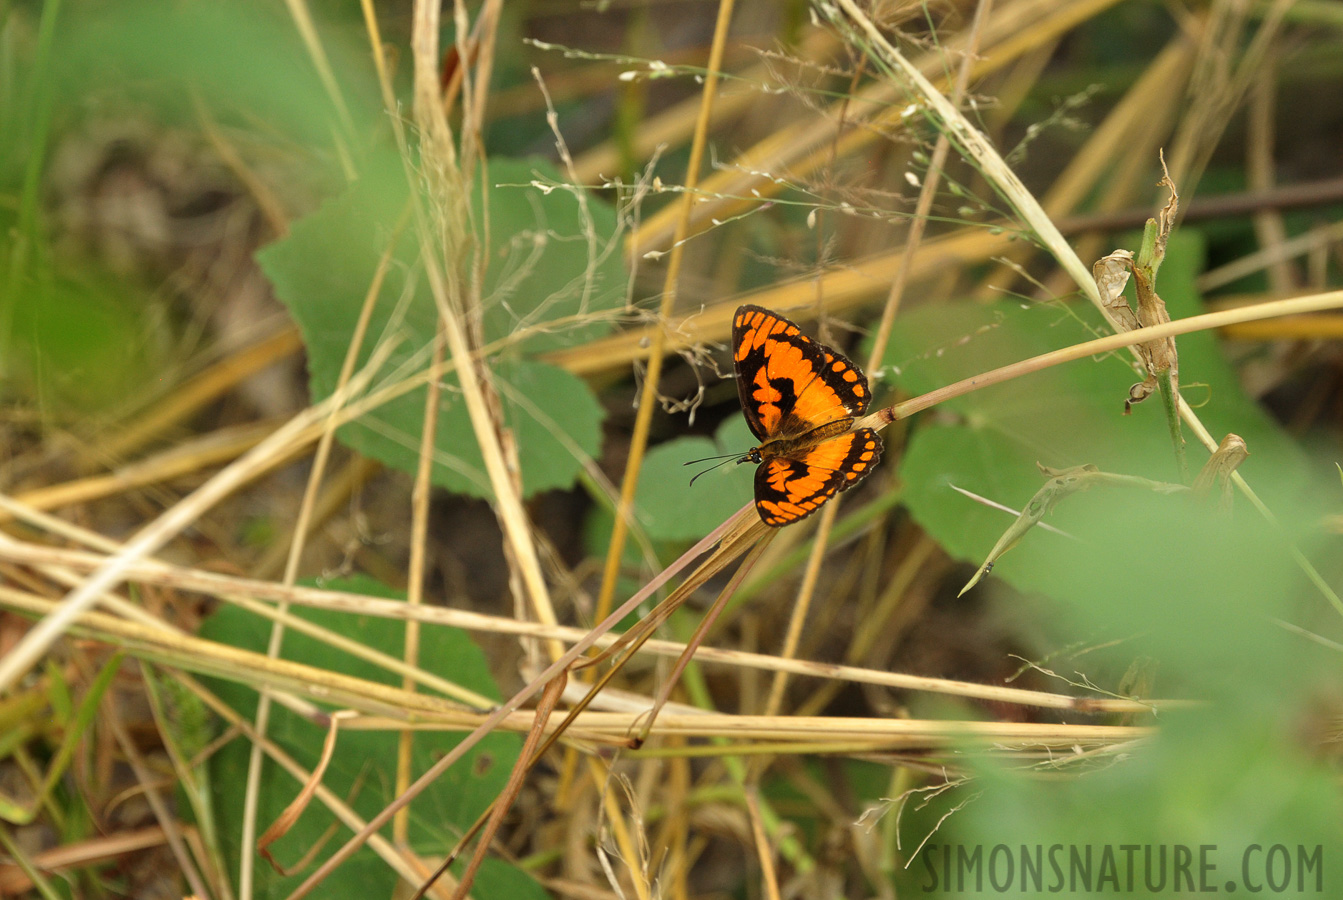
(15, 852)
(1148, 259)
(1172, 406)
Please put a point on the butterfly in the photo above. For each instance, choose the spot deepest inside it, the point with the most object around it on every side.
(800, 399)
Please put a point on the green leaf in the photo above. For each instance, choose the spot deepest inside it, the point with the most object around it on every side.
(989, 441)
(539, 277)
(672, 509)
(363, 768)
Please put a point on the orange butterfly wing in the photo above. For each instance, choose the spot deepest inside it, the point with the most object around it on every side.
(799, 398)
(788, 488)
(788, 383)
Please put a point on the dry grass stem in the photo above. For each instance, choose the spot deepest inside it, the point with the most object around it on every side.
(151, 537)
(226, 587)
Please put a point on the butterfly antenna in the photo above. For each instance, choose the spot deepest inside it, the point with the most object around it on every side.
(709, 458)
(725, 461)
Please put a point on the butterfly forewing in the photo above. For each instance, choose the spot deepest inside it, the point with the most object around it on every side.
(755, 333)
(788, 383)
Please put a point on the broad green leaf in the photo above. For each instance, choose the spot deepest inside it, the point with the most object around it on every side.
(671, 508)
(540, 288)
(989, 441)
(363, 767)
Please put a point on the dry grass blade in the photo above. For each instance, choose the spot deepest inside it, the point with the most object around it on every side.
(158, 803)
(185, 458)
(306, 506)
(649, 394)
(415, 587)
(492, 721)
(844, 288)
(800, 148)
(752, 555)
(202, 389)
(227, 587)
(974, 145)
(447, 228)
(15, 877)
(1208, 321)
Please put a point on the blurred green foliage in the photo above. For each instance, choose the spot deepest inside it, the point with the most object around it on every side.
(552, 266)
(1202, 597)
(80, 347)
(1140, 576)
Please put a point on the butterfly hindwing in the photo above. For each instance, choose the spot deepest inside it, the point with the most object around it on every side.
(788, 383)
(789, 488)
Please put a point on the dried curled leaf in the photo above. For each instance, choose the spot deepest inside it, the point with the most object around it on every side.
(1216, 472)
(281, 826)
(1111, 273)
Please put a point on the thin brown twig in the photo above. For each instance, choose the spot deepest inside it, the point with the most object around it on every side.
(1207, 207)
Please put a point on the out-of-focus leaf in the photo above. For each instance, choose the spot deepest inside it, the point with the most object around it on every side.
(80, 346)
(1241, 768)
(242, 60)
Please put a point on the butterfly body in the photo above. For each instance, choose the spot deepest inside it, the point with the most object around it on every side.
(800, 399)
